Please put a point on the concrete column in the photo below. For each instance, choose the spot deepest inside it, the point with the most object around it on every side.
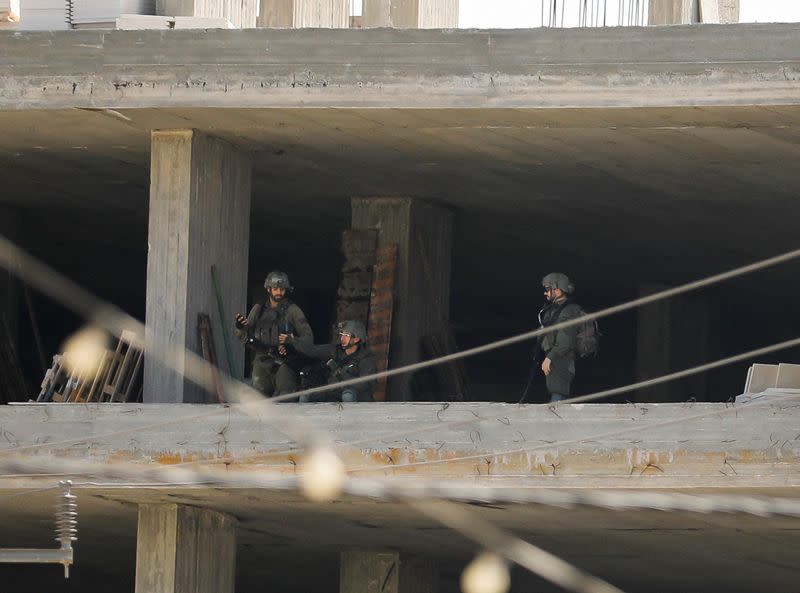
(181, 548)
(684, 12)
(674, 12)
(241, 13)
(199, 217)
(299, 14)
(386, 572)
(411, 14)
(424, 234)
(672, 335)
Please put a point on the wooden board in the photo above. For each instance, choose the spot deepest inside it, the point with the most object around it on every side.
(381, 308)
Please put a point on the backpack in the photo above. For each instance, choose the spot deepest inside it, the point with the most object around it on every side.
(587, 341)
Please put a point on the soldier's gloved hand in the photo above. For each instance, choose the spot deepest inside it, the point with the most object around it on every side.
(282, 350)
(241, 321)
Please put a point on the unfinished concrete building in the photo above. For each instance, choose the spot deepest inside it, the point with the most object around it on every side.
(633, 158)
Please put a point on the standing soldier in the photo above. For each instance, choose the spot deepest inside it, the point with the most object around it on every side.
(348, 358)
(558, 347)
(274, 363)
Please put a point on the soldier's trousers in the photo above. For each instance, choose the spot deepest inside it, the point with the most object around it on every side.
(273, 379)
(559, 381)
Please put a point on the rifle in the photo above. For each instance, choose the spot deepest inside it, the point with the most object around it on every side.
(535, 370)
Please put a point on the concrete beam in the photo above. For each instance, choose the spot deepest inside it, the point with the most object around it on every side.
(749, 64)
(411, 14)
(181, 548)
(608, 445)
(423, 234)
(299, 14)
(199, 217)
(386, 572)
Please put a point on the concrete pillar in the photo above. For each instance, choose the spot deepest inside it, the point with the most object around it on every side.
(411, 14)
(674, 12)
(299, 14)
(241, 13)
(423, 233)
(386, 572)
(684, 12)
(181, 548)
(674, 334)
(199, 217)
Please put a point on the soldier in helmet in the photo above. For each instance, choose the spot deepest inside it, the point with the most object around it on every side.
(348, 358)
(558, 348)
(274, 365)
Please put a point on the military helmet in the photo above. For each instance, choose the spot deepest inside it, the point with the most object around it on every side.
(559, 280)
(277, 279)
(353, 328)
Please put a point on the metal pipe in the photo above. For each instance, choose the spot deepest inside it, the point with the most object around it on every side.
(36, 556)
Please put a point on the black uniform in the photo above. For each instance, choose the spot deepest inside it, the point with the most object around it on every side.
(559, 347)
(343, 366)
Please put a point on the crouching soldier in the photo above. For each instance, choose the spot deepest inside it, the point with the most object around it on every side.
(348, 358)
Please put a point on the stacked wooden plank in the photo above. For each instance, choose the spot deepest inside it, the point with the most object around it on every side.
(366, 292)
(116, 377)
(358, 249)
(381, 308)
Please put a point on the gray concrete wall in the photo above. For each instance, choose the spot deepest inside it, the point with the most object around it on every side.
(614, 67)
(199, 217)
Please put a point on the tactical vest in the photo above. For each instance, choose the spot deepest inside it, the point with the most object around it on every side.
(273, 322)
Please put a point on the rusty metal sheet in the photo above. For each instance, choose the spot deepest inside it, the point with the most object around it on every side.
(381, 307)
